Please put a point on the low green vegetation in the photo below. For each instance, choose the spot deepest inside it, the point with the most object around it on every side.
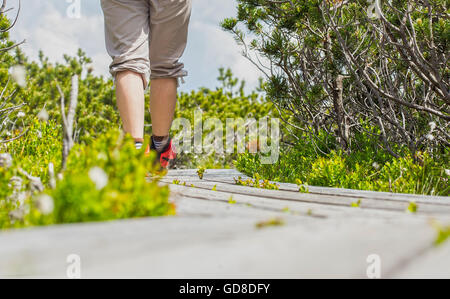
(356, 204)
(201, 172)
(270, 222)
(412, 208)
(104, 180)
(256, 182)
(443, 233)
(302, 188)
(365, 170)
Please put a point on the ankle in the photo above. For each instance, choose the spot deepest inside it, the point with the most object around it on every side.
(160, 142)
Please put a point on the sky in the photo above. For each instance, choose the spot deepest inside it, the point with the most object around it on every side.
(50, 25)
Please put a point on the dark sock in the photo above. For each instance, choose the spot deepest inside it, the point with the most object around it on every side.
(160, 142)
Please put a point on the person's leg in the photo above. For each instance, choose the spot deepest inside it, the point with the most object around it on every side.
(168, 37)
(131, 103)
(163, 97)
(127, 30)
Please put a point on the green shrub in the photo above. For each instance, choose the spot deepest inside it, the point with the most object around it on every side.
(96, 110)
(330, 65)
(6, 205)
(104, 180)
(126, 193)
(37, 148)
(362, 171)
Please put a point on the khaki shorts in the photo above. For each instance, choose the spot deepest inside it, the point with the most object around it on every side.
(147, 36)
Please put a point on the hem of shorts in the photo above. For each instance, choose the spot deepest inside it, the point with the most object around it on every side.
(144, 75)
(179, 77)
(169, 76)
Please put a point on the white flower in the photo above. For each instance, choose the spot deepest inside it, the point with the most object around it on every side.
(432, 125)
(5, 160)
(376, 165)
(430, 137)
(21, 114)
(18, 73)
(45, 204)
(447, 172)
(43, 115)
(99, 177)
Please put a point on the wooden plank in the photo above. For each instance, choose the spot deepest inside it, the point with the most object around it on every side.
(212, 247)
(315, 198)
(208, 172)
(434, 263)
(285, 252)
(42, 252)
(227, 176)
(305, 209)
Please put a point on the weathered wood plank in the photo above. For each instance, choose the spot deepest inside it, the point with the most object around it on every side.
(285, 252)
(434, 263)
(227, 176)
(206, 247)
(368, 203)
(43, 251)
(306, 209)
(208, 172)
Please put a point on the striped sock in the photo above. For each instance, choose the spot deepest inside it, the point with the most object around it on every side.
(159, 142)
(138, 143)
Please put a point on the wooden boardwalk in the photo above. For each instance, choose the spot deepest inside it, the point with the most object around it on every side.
(215, 235)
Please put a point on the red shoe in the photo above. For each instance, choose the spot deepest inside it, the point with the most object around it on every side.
(166, 157)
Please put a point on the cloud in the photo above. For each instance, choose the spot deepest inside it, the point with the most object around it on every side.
(220, 49)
